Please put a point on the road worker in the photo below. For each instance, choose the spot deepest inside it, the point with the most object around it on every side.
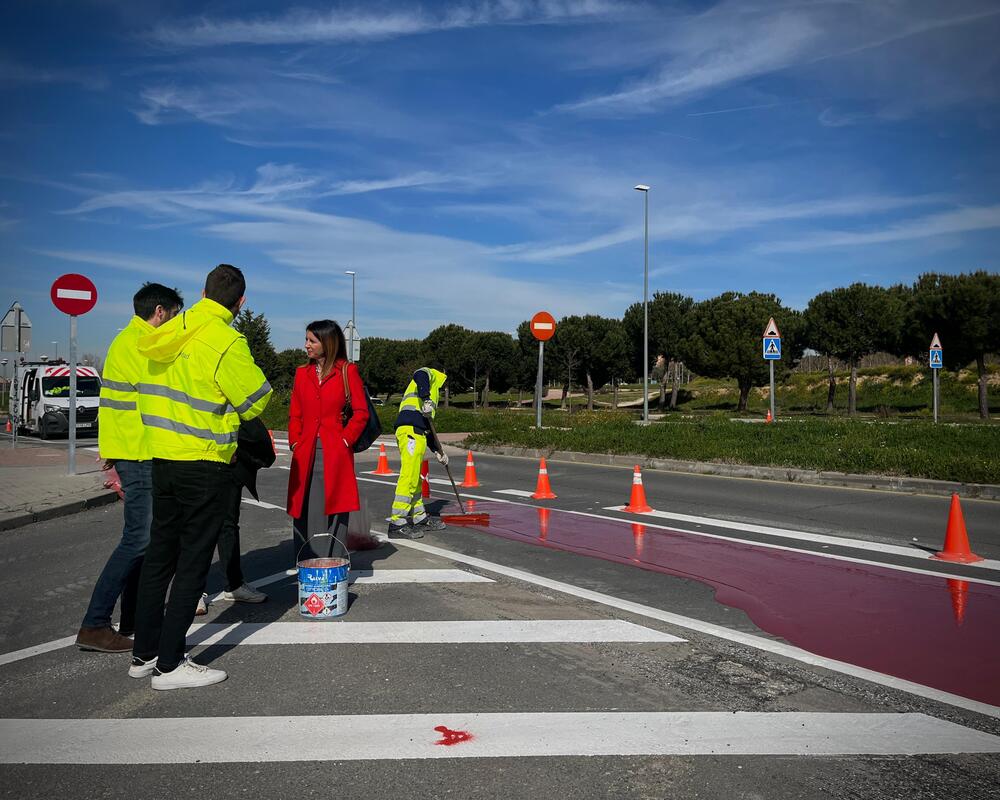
(414, 436)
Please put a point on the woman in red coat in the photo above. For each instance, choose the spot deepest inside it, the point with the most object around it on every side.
(322, 487)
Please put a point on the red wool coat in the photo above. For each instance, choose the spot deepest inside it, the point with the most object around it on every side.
(316, 411)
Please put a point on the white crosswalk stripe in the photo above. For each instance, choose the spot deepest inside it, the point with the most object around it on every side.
(449, 735)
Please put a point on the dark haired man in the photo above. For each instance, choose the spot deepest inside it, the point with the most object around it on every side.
(200, 382)
(120, 441)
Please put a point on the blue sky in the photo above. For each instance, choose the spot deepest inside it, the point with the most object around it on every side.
(474, 161)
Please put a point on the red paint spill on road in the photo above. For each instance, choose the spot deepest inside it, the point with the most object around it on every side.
(938, 632)
(450, 737)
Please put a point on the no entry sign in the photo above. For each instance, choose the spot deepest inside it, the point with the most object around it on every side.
(73, 294)
(543, 326)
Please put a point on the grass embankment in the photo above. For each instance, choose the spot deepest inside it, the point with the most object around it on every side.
(965, 453)
(912, 448)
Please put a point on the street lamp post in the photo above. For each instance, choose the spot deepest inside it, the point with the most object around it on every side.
(645, 302)
(56, 357)
(354, 321)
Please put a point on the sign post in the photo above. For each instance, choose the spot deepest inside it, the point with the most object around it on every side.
(936, 357)
(15, 337)
(772, 353)
(73, 295)
(543, 327)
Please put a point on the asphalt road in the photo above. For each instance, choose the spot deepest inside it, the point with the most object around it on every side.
(707, 641)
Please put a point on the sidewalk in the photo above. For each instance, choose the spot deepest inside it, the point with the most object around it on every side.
(34, 484)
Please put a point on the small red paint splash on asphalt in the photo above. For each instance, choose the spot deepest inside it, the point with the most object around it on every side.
(923, 628)
(450, 737)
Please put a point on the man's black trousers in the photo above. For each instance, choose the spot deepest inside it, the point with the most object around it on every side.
(189, 504)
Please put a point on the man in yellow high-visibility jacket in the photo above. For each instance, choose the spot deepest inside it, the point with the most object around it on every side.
(120, 441)
(200, 381)
(414, 436)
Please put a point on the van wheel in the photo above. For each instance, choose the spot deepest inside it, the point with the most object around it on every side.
(43, 430)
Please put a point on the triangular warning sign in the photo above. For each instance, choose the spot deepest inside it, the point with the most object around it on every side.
(772, 347)
(771, 329)
(935, 343)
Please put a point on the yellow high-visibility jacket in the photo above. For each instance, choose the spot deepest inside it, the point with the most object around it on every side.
(200, 382)
(119, 428)
(425, 385)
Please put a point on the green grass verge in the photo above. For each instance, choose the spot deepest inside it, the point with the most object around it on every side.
(912, 448)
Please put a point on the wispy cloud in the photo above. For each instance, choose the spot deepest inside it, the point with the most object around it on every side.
(351, 25)
(13, 73)
(961, 220)
(735, 42)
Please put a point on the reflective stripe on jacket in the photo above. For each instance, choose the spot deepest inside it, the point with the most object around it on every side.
(425, 385)
(119, 427)
(200, 381)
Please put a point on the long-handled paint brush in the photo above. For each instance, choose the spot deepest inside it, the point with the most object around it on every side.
(463, 518)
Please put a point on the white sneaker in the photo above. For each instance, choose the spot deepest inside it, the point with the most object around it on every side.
(140, 668)
(202, 608)
(143, 669)
(188, 675)
(245, 594)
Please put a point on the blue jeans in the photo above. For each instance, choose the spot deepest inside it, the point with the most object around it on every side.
(120, 575)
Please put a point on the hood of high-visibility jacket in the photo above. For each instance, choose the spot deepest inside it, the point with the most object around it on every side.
(200, 381)
(119, 427)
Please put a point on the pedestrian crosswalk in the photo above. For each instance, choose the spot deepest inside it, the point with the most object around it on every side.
(438, 609)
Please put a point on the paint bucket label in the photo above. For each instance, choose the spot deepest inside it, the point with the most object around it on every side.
(323, 587)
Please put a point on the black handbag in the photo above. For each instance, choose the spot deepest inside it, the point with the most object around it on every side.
(373, 428)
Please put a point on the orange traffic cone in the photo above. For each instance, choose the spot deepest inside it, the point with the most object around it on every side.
(470, 481)
(543, 491)
(956, 539)
(383, 463)
(637, 504)
(959, 591)
(638, 533)
(425, 485)
(769, 418)
(543, 523)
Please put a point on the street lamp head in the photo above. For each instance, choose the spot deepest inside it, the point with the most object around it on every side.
(641, 187)
(350, 272)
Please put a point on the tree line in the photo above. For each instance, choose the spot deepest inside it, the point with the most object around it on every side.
(716, 338)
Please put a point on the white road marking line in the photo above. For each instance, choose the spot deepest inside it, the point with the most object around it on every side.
(182, 740)
(515, 492)
(464, 494)
(37, 650)
(261, 504)
(836, 541)
(425, 632)
(751, 542)
(747, 639)
(380, 576)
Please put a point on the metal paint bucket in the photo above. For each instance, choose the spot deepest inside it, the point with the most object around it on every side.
(323, 582)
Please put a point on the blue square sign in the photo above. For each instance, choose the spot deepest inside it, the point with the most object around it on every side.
(937, 359)
(772, 348)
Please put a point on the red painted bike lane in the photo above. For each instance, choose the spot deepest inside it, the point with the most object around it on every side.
(943, 633)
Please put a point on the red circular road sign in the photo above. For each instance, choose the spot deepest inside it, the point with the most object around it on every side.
(543, 326)
(73, 294)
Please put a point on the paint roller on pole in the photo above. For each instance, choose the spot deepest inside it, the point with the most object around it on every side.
(463, 518)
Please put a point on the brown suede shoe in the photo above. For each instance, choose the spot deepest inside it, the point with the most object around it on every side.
(103, 640)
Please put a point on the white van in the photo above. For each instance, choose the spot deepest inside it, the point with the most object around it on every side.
(44, 399)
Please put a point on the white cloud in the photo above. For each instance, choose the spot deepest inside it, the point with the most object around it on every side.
(350, 25)
(962, 220)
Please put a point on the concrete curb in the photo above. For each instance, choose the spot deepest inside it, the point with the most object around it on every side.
(888, 483)
(52, 512)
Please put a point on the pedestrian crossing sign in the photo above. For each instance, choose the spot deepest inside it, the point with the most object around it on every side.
(772, 348)
(937, 360)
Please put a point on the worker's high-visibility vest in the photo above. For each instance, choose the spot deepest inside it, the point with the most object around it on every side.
(411, 400)
(119, 427)
(200, 381)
